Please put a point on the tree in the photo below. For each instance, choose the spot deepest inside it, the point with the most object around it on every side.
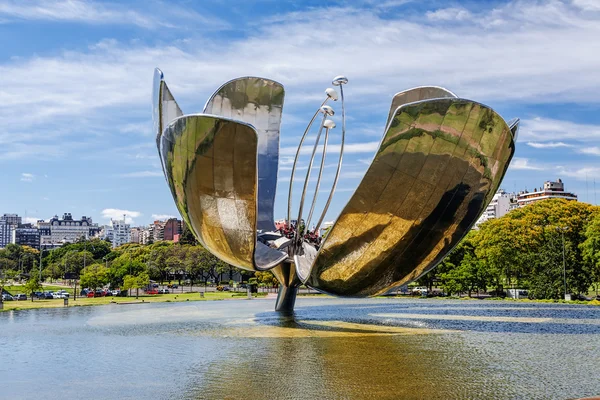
(187, 236)
(94, 276)
(32, 285)
(136, 282)
(590, 249)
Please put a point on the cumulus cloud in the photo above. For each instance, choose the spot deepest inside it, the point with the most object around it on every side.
(115, 213)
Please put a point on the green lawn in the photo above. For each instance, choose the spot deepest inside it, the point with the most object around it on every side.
(161, 298)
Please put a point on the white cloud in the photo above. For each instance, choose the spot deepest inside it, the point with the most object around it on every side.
(449, 14)
(523, 163)
(353, 148)
(30, 220)
(93, 12)
(115, 213)
(594, 150)
(546, 129)
(27, 177)
(162, 217)
(141, 174)
(549, 145)
(580, 173)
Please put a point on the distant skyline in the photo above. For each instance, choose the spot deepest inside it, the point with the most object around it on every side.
(75, 92)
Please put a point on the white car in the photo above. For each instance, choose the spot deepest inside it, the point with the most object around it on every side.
(61, 294)
(422, 290)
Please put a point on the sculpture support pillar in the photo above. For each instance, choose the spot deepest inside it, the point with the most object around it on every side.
(288, 286)
(286, 299)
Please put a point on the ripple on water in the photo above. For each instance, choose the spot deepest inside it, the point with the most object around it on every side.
(330, 348)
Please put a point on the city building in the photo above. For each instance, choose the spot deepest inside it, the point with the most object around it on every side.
(157, 229)
(8, 223)
(172, 229)
(66, 230)
(551, 190)
(135, 234)
(11, 219)
(500, 205)
(145, 235)
(26, 235)
(118, 232)
(6, 230)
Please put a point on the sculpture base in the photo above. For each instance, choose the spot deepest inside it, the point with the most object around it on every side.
(288, 287)
(286, 298)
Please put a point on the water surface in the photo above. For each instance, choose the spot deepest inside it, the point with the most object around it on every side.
(330, 349)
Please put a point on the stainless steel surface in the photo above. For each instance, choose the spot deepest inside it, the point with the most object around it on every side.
(259, 102)
(299, 230)
(338, 81)
(164, 107)
(327, 124)
(439, 164)
(417, 94)
(514, 124)
(294, 165)
(211, 168)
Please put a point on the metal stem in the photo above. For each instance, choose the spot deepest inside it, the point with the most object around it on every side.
(310, 164)
(314, 202)
(289, 208)
(339, 167)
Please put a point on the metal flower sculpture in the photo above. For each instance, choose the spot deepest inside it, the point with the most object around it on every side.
(440, 162)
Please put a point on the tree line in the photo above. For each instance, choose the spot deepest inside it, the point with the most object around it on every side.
(96, 264)
(549, 248)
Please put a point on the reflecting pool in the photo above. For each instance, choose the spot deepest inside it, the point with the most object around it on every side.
(329, 349)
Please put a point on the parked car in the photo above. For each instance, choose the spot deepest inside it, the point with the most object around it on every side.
(115, 292)
(99, 293)
(419, 291)
(91, 293)
(20, 296)
(175, 286)
(48, 295)
(61, 294)
(163, 291)
(155, 285)
(84, 292)
(39, 295)
(7, 297)
(152, 291)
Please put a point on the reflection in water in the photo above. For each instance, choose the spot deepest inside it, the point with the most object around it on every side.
(332, 349)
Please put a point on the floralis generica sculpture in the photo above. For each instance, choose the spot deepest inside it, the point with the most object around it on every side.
(437, 168)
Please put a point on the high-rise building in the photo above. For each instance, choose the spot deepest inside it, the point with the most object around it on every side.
(26, 235)
(498, 207)
(8, 223)
(11, 219)
(158, 231)
(135, 234)
(118, 232)
(6, 230)
(551, 190)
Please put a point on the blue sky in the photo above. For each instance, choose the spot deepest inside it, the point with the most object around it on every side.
(76, 79)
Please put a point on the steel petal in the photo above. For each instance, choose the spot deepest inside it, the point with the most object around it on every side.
(437, 168)
(259, 102)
